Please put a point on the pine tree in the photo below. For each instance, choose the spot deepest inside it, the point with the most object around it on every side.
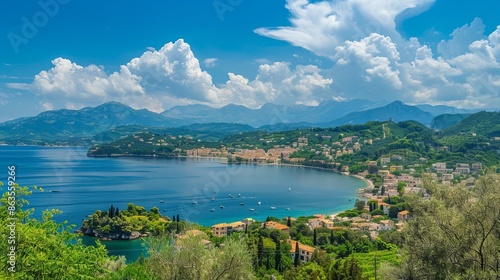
(332, 237)
(315, 242)
(178, 220)
(289, 222)
(117, 212)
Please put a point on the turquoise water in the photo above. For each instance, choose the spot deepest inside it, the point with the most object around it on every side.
(187, 186)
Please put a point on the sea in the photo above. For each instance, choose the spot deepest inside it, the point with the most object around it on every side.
(200, 190)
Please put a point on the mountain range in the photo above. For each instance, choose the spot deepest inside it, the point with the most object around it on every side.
(85, 123)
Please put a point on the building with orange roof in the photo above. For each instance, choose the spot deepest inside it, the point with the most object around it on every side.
(403, 216)
(224, 229)
(305, 251)
(278, 226)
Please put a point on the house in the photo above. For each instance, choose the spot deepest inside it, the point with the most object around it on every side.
(305, 251)
(403, 216)
(385, 160)
(462, 168)
(319, 222)
(366, 216)
(477, 166)
(384, 207)
(383, 173)
(439, 165)
(276, 225)
(386, 224)
(223, 229)
(395, 167)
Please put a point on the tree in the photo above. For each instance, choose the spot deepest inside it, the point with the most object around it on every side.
(45, 249)
(277, 257)
(189, 259)
(359, 204)
(455, 233)
(315, 237)
(111, 211)
(346, 269)
(296, 259)
(260, 251)
(289, 222)
(117, 212)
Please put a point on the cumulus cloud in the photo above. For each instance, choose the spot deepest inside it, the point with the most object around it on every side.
(372, 60)
(320, 26)
(172, 75)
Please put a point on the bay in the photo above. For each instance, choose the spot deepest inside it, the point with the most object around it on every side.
(193, 188)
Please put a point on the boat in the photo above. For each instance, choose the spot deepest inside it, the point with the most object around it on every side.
(164, 210)
(242, 204)
(222, 207)
(251, 209)
(288, 209)
(231, 196)
(289, 189)
(194, 202)
(162, 201)
(239, 195)
(273, 208)
(212, 199)
(212, 210)
(55, 191)
(258, 203)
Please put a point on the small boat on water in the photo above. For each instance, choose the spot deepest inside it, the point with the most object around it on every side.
(164, 210)
(239, 195)
(194, 202)
(212, 199)
(289, 189)
(273, 208)
(55, 191)
(258, 203)
(162, 201)
(242, 204)
(231, 196)
(212, 210)
(288, 209)
(222, 207)
(251, 209)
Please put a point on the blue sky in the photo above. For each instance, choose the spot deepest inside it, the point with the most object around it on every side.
(158, 54)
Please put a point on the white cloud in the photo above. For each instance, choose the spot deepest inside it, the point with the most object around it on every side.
(172, 75)
(210, 62)
(47, 106)
(320, 26)
(372, 60)
(461, 39)
(20, 86)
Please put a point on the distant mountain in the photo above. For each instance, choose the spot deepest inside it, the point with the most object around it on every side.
(437, 110)
(482, 124)
(270, 114)
(64, 124)
(444, 121)
(397, 111)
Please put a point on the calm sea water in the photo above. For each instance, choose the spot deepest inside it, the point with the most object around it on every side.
(193, 188)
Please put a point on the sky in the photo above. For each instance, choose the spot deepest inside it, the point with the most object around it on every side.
(69, 54)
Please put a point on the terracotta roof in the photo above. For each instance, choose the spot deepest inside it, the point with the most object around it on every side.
(276, 225)
(303, 247)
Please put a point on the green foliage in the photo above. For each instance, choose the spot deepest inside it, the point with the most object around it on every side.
(346, 269)
(46, 249)
(456, 232)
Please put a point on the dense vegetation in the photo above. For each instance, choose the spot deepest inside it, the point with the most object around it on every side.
(455, 234)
